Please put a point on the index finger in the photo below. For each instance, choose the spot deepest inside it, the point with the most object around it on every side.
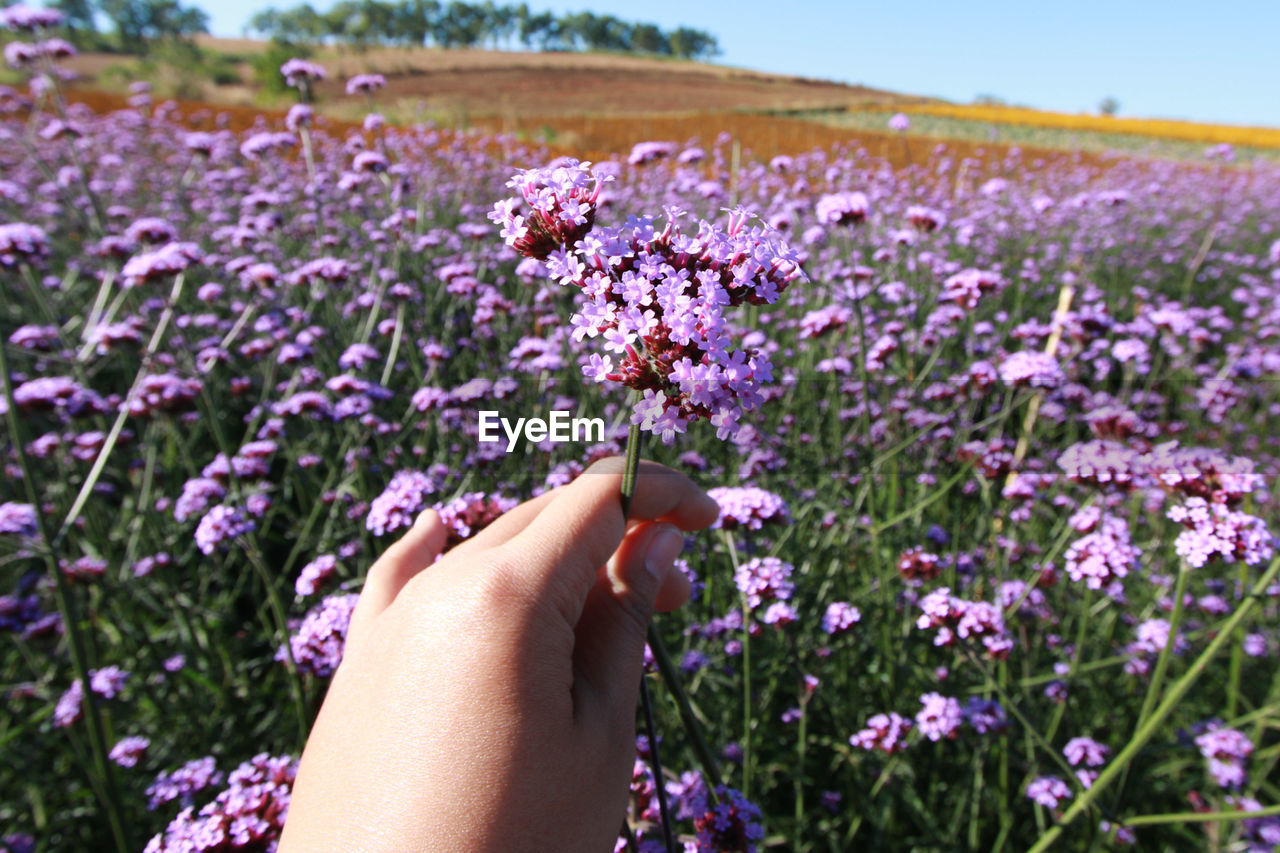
(576, 533)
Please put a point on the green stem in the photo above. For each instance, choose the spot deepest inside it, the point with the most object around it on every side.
(1162, 711)
(1162, 663)
(631, 470)
(692, 728)
(105, 784)
(1200, 817)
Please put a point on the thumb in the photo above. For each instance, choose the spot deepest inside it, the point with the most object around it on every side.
(610, 635)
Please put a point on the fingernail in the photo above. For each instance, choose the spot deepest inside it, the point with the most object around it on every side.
(665, 546)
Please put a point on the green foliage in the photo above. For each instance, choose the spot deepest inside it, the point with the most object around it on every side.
(364, 23)
(139, 23)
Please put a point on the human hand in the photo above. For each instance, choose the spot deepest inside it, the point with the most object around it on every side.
(487, 701)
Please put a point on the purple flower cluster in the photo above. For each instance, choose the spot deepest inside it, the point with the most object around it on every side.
(957, 619)
(1031, 370)
(1048, 791)
(315, 574)
(940, 717)
(732, 824)
(468, 514)
(129, 750)
(847, 208)
(884, 732)
(318, 643)
(182, 784)
(840, 617)
(18, 519)
(1104, 555)
(248, 815)
(764, 579)
(400, 503)
(1215, 531)
(365, 84)
(748, 507)
(656, 297)
(220, 526)
(1226, 750)
(163, 392)
(297, 72)
(21, 242)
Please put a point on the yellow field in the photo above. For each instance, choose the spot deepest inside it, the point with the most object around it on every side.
(1260, 137)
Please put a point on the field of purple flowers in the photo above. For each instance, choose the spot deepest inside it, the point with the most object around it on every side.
(994, 453)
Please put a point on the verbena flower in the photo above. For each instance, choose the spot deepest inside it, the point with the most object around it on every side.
(655, 297)
(764, 579)
(940, 717)
(365, 84)
(400, 503)
(297, 71)
(732, 824)
(886, 733)
(128, 750)
(318, 644)
(748, 507)
(21, 241)
(247, 816)
(18, 519)
(1226, 751)
(183, 783)
(1048, 791)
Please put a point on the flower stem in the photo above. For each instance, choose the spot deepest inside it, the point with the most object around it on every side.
(659, 784)
(102, 775)
(632, 469)
(671, 678)
(1163, 710)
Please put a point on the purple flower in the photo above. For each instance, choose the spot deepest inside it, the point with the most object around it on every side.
(20, 241)
(748, 507)
(318, 643)
(220, 526)
(840, 617)
(1048, 791)
(248, 815)
(18, 519)
(315, 574)
(940, 717)
(108, 681)
(128, 750)
(70, 705)
(365, 84)
(1103, 556)
(885, 732)
(733, 823)
(30, 19)
(1086, 751)
(848, 208)
(986, 716)
(298, 72)
(1226, 751)
(183, 783)
(400, 503)
(1031, 369)
(1214, 531)
(468, 514)
(170, 259)
(899, 122)
(764, 579)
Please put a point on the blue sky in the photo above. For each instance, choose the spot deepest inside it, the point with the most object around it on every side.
(1194, 59)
